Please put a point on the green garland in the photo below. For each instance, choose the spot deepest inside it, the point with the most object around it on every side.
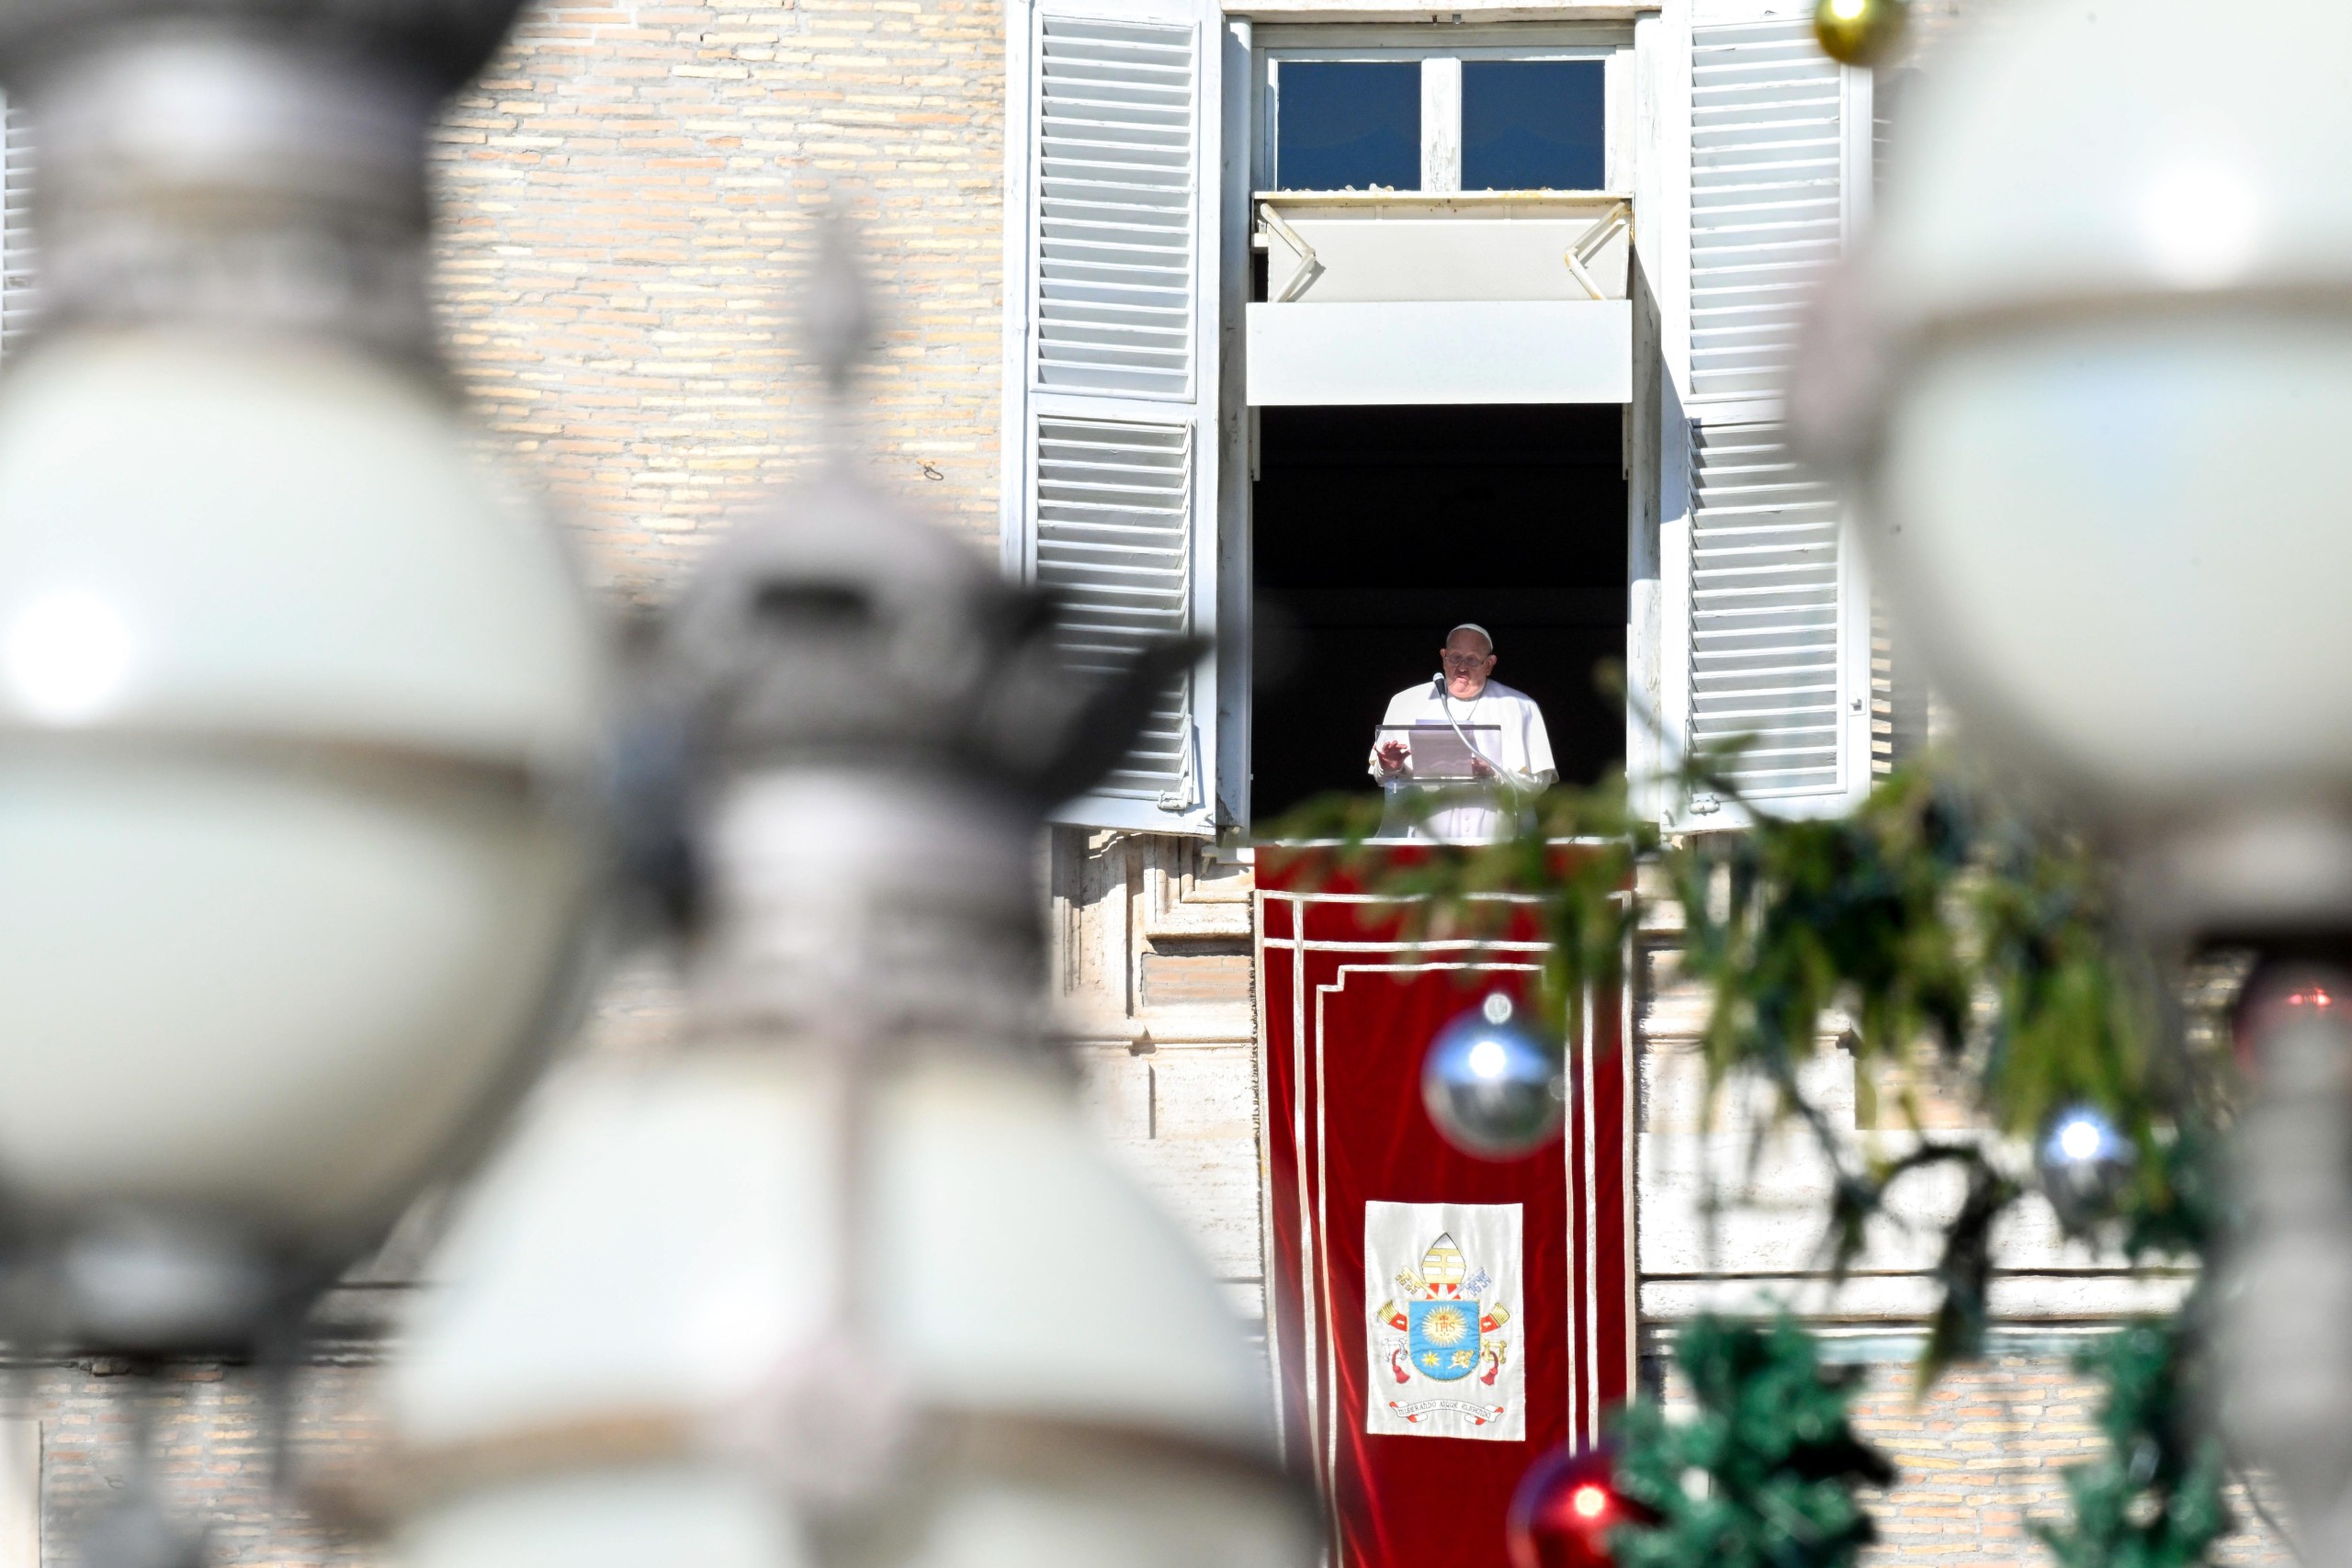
(2153, 1500)
(1764, 1476)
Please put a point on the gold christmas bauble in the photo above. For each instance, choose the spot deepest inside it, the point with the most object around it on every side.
(1859, 32)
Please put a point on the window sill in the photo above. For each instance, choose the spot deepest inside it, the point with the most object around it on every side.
(1443, 200)
(1405, 352)
(1474, 11)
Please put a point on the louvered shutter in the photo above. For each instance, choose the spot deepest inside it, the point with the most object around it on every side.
(1114, 536)
(16, 227)
(1768, 154)
(1112, 383)
(1765, 609)
(1777, 638)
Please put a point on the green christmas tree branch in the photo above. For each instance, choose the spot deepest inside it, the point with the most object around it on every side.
(2154, 1498)
(1765, 1474)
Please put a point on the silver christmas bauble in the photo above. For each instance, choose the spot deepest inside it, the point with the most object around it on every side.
(1494, 1090)
(2084, 1166)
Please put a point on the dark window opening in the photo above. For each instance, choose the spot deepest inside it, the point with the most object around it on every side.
(1376, 529)
(1341, 125)
(1534, 125)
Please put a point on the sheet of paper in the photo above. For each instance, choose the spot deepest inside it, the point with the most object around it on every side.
(1438, 753)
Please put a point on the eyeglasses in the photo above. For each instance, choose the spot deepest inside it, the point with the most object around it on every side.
(1464, 661)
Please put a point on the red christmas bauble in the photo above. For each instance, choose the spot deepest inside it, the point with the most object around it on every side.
(1566, 1505)
(2285, 994)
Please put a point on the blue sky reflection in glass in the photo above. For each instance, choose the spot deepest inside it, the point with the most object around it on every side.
(1343, 124)
(1534, 125)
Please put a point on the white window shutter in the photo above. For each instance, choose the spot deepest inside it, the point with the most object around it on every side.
(16, 227)
(1112, 377)
(1775, 606)
(1766, 596)
(1113, 536)
(1767, 155)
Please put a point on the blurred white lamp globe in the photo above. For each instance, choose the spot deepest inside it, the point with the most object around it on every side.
(2086, 379)
(2080, 375)
(635, 1345)
(299, 718)
(298, 700)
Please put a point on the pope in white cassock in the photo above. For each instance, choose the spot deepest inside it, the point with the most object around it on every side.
(1464, 694)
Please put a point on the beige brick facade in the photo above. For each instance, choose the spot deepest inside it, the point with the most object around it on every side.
(214, 1457)
(1985, 1455)
(625, 198)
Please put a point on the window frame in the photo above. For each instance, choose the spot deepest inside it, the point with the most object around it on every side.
(1441, 49)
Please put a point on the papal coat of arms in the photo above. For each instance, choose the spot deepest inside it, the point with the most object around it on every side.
(1445, 1328)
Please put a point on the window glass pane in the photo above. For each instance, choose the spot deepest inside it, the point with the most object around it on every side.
(1533, 125)
(1347, 124)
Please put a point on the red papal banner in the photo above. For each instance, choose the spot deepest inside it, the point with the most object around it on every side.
(1436, 1321)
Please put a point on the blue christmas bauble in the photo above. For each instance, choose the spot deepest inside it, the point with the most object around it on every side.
(2084, 1166)
(1493, 1088)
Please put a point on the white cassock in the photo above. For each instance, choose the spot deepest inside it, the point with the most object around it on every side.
(1523, 758)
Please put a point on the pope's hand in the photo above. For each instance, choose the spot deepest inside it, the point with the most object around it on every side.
(1392, 757)
(1479, 769)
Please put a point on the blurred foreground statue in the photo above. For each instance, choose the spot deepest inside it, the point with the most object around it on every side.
(2073, 407)
(845, 1279)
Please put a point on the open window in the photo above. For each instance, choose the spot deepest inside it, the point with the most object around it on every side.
(1406, 224)
(1378, 529)
(1439, 365)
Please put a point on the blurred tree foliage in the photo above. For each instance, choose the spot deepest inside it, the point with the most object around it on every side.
(1951, 942)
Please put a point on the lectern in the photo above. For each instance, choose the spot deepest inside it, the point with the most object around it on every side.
(1436, 1321)
(1447, 767)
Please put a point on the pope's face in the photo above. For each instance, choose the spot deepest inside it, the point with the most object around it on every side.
(1469, 659)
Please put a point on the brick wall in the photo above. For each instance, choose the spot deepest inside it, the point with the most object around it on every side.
(1985, 1455)
(215, 1456)
(624, 205)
